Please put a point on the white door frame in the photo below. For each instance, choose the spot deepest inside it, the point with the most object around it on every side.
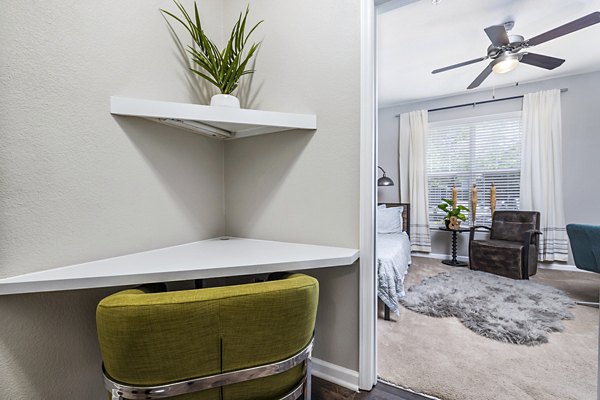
(367, 365)
(367, 368)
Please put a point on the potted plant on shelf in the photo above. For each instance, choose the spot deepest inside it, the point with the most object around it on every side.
(454, 214)
(222, 68)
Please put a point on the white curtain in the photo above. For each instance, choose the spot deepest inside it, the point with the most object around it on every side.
(541, 171)
(412, 141)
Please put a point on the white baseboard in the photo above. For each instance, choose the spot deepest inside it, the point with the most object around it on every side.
(552, 266)
(335, 374)
(560, 267)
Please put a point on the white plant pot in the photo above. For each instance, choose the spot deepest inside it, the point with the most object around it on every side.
(224, 100)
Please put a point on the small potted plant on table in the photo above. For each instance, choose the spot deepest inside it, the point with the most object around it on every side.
(454, 214)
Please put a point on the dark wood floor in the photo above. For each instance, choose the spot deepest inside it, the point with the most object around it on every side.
(323, 390)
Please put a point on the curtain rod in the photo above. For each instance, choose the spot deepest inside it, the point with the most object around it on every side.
(479, 102)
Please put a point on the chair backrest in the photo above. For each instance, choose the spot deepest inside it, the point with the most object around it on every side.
(585, 244)
(157, 338)
(512, 225)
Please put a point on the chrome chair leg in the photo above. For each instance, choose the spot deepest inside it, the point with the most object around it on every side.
(588, 304)
(308, 382)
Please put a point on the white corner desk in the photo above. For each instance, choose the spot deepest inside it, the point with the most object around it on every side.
(219, 257)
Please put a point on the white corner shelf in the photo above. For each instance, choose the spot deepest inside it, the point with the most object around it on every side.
(217, 122)
(219, 257)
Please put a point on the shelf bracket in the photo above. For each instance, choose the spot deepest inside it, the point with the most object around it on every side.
(196, 127)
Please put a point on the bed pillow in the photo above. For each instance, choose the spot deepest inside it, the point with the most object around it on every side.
(381, 207)
(389, 220)
(400, 211)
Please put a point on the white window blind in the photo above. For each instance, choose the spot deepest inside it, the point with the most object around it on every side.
(481, 151)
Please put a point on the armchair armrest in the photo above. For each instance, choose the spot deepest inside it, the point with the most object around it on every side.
(530, 236)
(473, 229)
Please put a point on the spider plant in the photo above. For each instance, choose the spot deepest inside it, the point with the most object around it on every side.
(223, 68)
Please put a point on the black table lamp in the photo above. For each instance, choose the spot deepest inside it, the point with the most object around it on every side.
(384, 180)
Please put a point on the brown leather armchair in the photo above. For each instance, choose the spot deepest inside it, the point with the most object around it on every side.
(512, 249)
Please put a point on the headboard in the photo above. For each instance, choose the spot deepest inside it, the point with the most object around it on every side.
(405, 215)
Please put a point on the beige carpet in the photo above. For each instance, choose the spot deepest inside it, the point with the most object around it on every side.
(442, 358)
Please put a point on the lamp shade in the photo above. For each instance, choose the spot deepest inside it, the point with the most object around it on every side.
(384, 180)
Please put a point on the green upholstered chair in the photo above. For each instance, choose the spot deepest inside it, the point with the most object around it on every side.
(244, 342)
(585, 244)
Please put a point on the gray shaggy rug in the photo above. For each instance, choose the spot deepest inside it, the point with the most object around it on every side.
(508, 310)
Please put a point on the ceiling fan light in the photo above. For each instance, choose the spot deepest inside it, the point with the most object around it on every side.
(505, 64)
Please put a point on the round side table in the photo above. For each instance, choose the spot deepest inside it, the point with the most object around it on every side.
(454, 262)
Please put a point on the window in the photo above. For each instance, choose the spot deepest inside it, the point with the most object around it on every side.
(477, 151)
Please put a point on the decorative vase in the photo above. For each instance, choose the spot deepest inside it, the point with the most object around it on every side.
(224, 100)
(453, 223)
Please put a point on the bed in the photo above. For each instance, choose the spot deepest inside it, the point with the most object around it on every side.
(393, 254)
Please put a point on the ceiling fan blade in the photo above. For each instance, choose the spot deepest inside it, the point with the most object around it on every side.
(481, 77)
(539, 60)
(565, 29)
(498, 35)
(462, 64)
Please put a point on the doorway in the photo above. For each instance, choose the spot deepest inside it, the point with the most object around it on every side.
(442, 344)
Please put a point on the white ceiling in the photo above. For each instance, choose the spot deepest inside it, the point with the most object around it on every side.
(419, 37)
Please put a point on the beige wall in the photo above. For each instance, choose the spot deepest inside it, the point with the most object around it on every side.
(300, 186)
(78, 184)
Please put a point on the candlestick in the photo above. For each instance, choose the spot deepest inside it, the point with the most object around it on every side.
(473, 204)
(454, 196)
(493, 199)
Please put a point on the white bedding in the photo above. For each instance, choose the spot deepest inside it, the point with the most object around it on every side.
(393, 259)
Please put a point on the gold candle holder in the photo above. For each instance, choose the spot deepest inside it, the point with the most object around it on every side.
(493, 199)
(473, 204)
(454, 196)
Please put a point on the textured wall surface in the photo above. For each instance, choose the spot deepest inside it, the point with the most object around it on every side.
(301, 186)
(580, 119)
(77, 184)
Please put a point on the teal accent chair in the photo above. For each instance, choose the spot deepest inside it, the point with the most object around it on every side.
(585, 244)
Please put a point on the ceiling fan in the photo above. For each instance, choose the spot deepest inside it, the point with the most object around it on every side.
(505, 50)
